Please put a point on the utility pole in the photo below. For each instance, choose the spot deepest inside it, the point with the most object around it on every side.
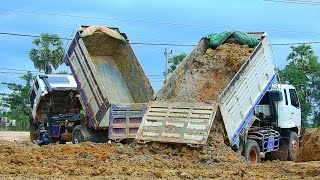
(166, 70)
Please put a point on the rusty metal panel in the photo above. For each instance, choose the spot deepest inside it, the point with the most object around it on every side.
(177, 122)
(125, 120)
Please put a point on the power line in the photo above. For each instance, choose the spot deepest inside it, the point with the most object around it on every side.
(25, 70)
(295, 2)
(29, 35)
(295, 43)
(157, 22)
(11, 69)
(152, 44)
(161, 44)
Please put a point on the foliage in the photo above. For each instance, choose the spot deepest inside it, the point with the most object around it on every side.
(49, 52)
(16, 101)
(174, 62)
(63, 72)
(303, 72)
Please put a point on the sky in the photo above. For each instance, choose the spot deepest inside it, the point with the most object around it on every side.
(177, 22)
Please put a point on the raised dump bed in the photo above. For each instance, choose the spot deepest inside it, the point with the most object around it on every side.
(231, 75)
(108, 75)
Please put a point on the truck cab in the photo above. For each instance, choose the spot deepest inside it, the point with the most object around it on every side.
(279, 116)
(54, 103)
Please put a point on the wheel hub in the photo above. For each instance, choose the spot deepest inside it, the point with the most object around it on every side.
(294, 147)
(253, 158)
(77, 138)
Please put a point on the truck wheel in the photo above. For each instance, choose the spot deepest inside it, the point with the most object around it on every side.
(293, 146)
(77, 136)
(251, 151)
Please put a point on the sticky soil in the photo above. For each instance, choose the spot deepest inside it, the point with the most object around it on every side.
(310, 150)
(23, 159)
(210, 73)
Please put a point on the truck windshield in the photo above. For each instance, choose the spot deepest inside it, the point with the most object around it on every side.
(58, 80)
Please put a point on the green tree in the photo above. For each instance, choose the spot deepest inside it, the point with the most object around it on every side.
(16, 102)
(63, 72)
(300, 55)
(49, 52)
(174, 62)
(303, 72)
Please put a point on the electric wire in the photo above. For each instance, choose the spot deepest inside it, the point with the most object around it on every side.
(313, 3)
(155, 22)
(152, 44)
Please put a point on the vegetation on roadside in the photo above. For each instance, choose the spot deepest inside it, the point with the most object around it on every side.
(174, 62)
(16, 101)
(303, 72)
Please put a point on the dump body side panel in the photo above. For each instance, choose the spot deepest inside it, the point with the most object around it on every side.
(246, 89)
(89, 88)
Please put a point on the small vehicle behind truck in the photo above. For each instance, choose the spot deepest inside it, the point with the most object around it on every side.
(113, 88)
(55, 107)
(259, 115)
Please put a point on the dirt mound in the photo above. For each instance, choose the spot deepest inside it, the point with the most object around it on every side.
(310, 150)
(210, 73)
(150, 161)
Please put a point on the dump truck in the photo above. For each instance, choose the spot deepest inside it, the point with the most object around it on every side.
(259, 114)
(113, 88)
(54, 106)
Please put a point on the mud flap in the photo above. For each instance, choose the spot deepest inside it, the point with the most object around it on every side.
(177, 122)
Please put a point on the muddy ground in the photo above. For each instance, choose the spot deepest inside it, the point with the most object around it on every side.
(14, 135)
(23, 159)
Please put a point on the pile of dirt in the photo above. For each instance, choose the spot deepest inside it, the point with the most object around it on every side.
(209, 74)
(310, 150)
(115, 160)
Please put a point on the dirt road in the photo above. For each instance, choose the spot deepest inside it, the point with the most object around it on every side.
(22, 159)
(14, 135)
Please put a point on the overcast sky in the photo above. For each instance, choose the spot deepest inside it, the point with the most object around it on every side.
(178, 22)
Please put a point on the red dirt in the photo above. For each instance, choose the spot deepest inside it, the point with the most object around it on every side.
(103, 161)
(310, 150)
(210, 73)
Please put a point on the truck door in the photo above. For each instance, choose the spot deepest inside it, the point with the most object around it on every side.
(289, 109)
(295, 107)
(289, 112)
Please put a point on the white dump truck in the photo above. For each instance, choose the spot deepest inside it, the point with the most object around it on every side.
(259, 114)
(54, 106)
(113, 88)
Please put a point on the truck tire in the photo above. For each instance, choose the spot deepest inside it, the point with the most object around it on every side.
(77, 136)
(293, 146)
(251, 151)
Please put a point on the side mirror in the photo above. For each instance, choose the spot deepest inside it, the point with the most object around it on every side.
(307, 95)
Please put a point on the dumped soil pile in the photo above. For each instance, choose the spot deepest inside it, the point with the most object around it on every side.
(115, 160)
(210, 73)
(310, 150)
